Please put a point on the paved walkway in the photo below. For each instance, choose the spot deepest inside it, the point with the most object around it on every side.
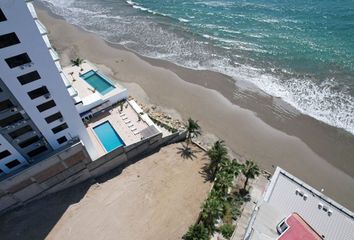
(258, 187)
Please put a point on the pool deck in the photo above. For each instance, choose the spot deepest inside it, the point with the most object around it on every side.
(83, 88)
(126, 123)
(72, 73)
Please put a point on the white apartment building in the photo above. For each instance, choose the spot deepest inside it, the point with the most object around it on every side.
(37, 113)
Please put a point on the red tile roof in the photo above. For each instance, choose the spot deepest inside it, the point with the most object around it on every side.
(298, 230)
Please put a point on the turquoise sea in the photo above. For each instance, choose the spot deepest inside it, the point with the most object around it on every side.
(299, 50)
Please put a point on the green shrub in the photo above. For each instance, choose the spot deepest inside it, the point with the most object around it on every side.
(227, 230)
(228, 213)
(212, 210)
(196, 232)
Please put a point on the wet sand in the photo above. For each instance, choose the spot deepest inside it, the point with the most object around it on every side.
(253, 124)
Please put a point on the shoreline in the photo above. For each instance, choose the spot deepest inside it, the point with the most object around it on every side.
(254, 125)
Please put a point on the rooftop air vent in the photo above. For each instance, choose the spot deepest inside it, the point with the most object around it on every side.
(330, 212)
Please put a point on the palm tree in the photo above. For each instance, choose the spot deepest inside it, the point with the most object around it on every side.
(213, 209)
(193, 129)
(77, 62)
(223, 182)
(250, 170)
(230, 166)
(216, 153)
(197, 232)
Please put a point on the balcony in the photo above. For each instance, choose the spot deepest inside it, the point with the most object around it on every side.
(25, 136)
(8, 112)
(41, 27)
(54, 55)
(65, 80)
(31, 9)
(58, 66)
(47, 42)
(31, 143)
(72, 92)
(15, 125)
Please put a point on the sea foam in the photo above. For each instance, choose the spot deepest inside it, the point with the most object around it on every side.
(213, 51)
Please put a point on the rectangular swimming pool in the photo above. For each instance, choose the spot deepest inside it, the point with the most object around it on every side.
(108, 137)
(98, 82)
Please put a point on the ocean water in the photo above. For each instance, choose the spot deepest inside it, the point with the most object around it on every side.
(299, 50)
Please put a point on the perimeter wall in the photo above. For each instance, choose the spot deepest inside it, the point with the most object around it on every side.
(70, 167)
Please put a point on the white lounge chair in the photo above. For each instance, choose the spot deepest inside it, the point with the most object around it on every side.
(127, 121)
(130, 125)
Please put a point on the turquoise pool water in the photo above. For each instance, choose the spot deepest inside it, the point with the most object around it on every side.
(108, 136)
(98, 82)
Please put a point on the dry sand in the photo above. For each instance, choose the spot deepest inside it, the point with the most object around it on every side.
(253, 124)
(157, 198)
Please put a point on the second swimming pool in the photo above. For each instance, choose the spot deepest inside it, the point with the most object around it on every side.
(98, 82)
(108, 137)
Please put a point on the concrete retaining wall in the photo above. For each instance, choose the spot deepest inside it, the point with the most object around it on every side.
(70, 167)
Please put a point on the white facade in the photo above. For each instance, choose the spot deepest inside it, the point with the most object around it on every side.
(36, 99)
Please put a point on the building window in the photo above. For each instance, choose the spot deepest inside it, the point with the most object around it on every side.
(11, 119)
(59, 128)
(13, 163)
(62, 140)
(4, 154)
(38, 92)
(28, 142)
(28, 77)
(8, 40)
(45, 106)
(2, 16)
(37, 151)
(54, 117)
(4, 105)
(20, 131)
(18, 60)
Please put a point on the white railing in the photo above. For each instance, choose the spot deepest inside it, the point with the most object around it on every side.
(41, 27)
(31, 9)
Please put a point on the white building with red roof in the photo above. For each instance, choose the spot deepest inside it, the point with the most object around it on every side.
(293, 210)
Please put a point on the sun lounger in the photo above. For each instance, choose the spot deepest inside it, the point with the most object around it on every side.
(125, 118)
(133, 129)
(122, 114)
(127, 121)
(130, 125)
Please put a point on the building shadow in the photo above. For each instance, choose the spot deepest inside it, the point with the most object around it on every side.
(36, 220)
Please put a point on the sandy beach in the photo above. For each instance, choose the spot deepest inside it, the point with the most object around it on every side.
(253, 124)
(143, 200)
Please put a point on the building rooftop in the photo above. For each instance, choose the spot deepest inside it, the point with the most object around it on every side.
(297, 228)
(286, 195)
